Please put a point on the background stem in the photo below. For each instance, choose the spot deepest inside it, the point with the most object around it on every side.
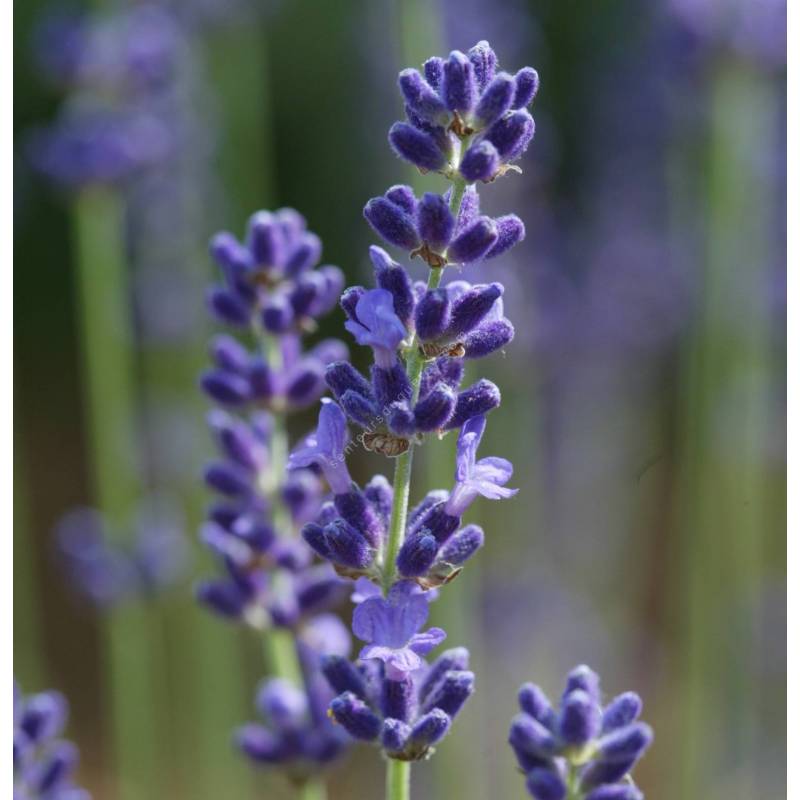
(109, 380)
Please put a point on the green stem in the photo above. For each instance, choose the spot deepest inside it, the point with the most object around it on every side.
(398, 779)
(312, 789)
(110, 401)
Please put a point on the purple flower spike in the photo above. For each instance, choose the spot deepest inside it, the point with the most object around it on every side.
(378, 326)
(474, 242)
(391, 628)
(325, 447)
(392, 223)
(572, 741)
(416, 146)
(486, 477)
(481, 162)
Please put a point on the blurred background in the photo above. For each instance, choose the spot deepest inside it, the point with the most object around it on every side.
(644, 394)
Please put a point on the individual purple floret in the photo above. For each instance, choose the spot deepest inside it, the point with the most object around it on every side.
(108, 571)
(44, 764)
(391, 628)
(428, 229)
(296, 732)
(465, 117)
(406, 711)
(581, 744)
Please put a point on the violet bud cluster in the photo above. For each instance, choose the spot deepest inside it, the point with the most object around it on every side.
(44, 763)
(464, 115)
(581, 749)
(446, 325)
(392, 696)
(352, 528)
(428, 229)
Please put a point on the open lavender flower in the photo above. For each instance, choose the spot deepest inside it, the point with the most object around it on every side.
(464, 116)
(583, 745)
(44, 764)
(428, 229)
(405, 716)
(392, 626)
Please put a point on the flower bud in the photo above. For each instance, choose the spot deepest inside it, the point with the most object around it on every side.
(579, 721)
(432, 412)
(416, 146)
(417, 555)
(545, 784)
(474, 242)
(484, 63)
(496, 100)
(527, 85)
(460, 547)
(392, 223)
(510, 231)
(459, 87)
(478, 399)
(435, 223)
(355, 717)
(481, 162)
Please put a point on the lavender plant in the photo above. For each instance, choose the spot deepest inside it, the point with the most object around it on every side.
(271, 295)
(468, 121)
(582, 750)
(43, 763)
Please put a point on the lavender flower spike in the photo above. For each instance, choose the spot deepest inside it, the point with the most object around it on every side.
(391, 628)
(325, 447)
(581, 743)
(486, 477)
(378, 326)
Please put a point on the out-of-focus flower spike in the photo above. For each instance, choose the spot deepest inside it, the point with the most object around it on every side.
(621, 711)
(579, 720)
